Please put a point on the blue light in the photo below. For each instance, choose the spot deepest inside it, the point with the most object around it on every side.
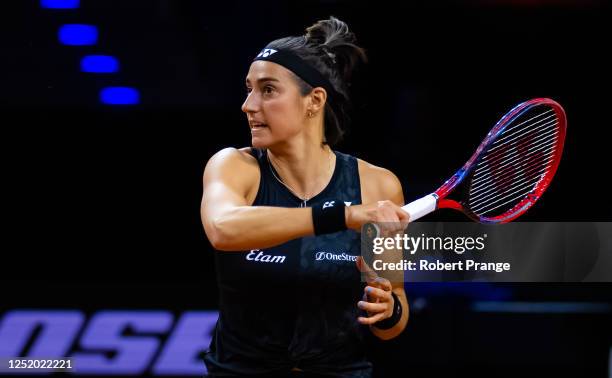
(78, 35)
(59, 4)
(99, 64)
(119, 96)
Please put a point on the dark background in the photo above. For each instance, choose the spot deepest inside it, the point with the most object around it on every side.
(102, 202)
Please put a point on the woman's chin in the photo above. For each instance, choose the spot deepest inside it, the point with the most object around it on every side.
(260, 137)
(258, 142)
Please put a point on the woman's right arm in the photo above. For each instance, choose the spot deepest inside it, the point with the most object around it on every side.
(230, 222)
(231, 179)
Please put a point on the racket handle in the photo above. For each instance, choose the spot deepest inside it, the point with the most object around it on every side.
(421, 207)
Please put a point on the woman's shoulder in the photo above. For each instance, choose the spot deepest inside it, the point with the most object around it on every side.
(231, 159)
(379, 183)
(236, 168)
(375, 173)
(233, 155)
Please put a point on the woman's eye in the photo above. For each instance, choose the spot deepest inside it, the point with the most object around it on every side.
(266, 90)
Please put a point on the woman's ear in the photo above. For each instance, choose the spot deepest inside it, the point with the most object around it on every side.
(318, 97)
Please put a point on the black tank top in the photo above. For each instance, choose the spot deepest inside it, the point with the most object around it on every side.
(293, 305)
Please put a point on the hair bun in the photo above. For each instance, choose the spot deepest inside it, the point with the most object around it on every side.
(336, 41)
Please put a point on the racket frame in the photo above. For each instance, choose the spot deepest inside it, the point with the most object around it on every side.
(438, 199)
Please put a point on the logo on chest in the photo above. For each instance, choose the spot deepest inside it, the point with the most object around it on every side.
(257, 255)
(328, 256)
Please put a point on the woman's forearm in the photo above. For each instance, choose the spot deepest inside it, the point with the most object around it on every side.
(253, 227)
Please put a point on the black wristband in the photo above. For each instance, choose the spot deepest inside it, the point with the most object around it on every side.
(394, 318)
(328, 217)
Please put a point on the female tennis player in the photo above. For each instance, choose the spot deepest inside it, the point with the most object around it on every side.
(284, 214)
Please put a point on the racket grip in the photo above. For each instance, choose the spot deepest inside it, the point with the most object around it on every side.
(421, 207)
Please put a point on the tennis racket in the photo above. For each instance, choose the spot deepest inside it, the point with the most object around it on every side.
(509, 171)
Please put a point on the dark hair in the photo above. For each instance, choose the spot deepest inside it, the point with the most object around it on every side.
(330, 47)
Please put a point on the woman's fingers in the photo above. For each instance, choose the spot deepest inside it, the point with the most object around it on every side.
(374, 293)
(382, 283)
(371, 277)
(379, 212)
(386, 217)
(403, 216)
(391, 218)
(372, 307)
(377, 299)
(372, 319)
(369, 274)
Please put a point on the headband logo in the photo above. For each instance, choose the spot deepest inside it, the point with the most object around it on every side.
(266, 53)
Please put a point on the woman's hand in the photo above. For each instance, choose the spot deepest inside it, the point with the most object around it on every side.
(377, 300)
(386, 214)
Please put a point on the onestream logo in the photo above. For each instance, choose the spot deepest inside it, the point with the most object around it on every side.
(322, 256)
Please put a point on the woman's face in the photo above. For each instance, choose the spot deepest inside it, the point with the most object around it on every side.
(274, 106)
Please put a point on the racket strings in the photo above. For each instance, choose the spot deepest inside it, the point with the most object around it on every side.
(515, 163)
(504, 170)
(498, 150)
(547, 115)
(521, 190)
(528, 156)
(532, 133)
(499, 144)
(512, 194)
(514, 191)
(532, 170)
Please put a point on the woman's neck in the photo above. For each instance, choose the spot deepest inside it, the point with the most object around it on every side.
(305, 170)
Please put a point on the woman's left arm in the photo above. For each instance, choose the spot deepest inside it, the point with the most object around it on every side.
(382, 185)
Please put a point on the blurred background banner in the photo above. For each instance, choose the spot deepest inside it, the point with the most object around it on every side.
(110, 110)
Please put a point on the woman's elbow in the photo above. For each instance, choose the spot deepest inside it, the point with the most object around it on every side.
(220, 235)
(219, 243)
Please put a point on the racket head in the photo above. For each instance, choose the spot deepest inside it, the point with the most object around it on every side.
(513, 165)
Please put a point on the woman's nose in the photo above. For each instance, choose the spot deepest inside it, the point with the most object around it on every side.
(251, 103)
